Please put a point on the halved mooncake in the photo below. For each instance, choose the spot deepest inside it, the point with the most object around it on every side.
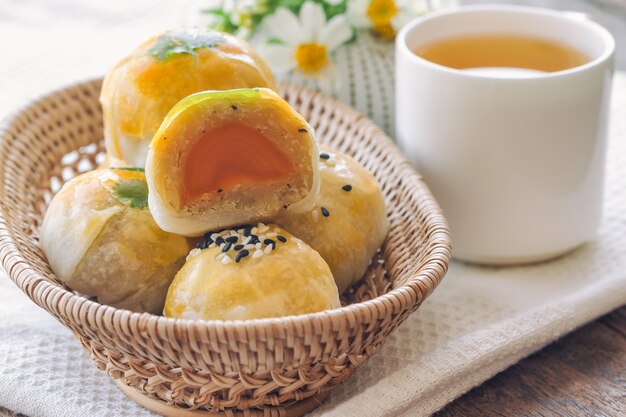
(141, 88)
(223, 158)
(101, 240)
(251, 272)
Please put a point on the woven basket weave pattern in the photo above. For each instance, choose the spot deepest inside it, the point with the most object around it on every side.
(259, 366)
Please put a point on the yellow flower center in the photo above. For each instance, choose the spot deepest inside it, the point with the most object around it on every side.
(311, 57)
(381, 13)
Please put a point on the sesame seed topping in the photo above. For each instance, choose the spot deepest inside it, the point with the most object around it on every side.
(325, 211)
(302, 130)
(234, 107)
(324, 155)
(219, 190)
(347, 187)
(241, 254)
(252, 241)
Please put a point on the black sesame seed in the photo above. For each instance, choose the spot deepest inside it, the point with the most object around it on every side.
(285, 206)
(231, 239)
(247, 231)
(347, 187)
(324, 155)
(219, 190)
(234, 107)
(219, 240)
(325, 211)
(269, 242)
(241, 254)
(238, 247)
(302, 130)
(281, 238)
(227, 247)
(207, 236)
(254, 239)
(199, 245)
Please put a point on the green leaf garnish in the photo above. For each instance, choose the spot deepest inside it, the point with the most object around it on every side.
(133, 192)
(188, 42)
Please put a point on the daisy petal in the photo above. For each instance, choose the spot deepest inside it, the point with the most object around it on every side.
(280, 57)
(312, 18)
(336, 32)
(284, 25)
(356, 13)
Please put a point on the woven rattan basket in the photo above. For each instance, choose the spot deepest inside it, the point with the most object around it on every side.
(269, 367)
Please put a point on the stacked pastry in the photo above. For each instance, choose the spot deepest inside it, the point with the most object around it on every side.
(279, 227)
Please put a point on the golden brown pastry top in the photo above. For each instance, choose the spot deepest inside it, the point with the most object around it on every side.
(141, 88)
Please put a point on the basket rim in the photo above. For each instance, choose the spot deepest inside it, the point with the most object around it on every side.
(31, 282)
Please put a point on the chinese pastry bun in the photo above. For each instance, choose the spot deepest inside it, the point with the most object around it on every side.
(101, 241)
(223, 158)
(141, 88)
(348, 223)
(251, 273)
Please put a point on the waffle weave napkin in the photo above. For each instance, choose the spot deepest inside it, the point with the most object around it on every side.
(477, 323)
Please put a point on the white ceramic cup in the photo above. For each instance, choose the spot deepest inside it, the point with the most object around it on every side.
(516, 161)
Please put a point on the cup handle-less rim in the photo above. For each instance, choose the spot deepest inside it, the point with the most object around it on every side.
(603, 33)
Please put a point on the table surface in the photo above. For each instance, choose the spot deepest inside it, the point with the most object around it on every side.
(583, 373)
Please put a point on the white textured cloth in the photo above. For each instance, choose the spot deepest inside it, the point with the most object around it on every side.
(477, 323)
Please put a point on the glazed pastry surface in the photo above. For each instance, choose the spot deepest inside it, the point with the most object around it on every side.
(223, 158)
(348, 223)
(101, 240)
(251, 272)
(141, 88)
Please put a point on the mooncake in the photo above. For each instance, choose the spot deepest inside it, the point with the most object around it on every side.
(348, 223)
(251, 272)
(223, 158)
(101, 240)
(142, 87)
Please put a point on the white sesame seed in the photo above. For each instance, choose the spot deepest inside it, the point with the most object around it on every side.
(271, 234)
(268, 249)
(212, 245)
(220, 256)
(193, 253)
(226, 260)
(246, 240)
(214, 236)
(257, 254)
(249, 246)
(258, 245)
(254, 230)
(263, 228)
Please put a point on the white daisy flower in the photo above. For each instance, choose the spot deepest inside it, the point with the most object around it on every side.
(386, 17)
(303, 43)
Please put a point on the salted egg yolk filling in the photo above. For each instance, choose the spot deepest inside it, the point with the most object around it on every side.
(228, 156)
